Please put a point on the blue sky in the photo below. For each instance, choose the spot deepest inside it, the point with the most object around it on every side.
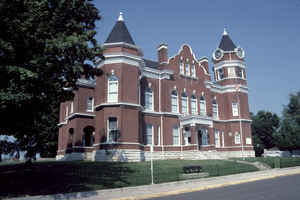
(268, 31)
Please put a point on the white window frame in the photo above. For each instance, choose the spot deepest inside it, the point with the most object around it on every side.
(204, 137)
(176, 136)
(184, 104)
(149, 134)
(194, 107)
(241, 72)
(149, 103)
(193, 70)
(88, 99)
(187, 69)
(108, 140)
(219, 74)
(202, 107)
(235, 109)
(158, 135)
(72, 107)
(174, 99)
(181, 68)
(215, 108)
(231, 72)
(217, 139)
(187, 135)
(112, 95)
(237, 138)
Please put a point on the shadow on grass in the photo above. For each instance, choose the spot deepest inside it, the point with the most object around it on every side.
(61, 177)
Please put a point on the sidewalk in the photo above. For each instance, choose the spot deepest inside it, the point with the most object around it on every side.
(150, 191)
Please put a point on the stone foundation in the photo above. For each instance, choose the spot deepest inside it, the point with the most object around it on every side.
(131, 155)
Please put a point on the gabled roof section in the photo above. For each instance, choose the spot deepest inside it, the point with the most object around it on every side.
(120, 33)
(226, 43)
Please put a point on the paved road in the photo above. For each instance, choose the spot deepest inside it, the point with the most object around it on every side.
(282, 188)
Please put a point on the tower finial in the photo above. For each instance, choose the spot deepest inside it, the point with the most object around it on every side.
(121, 17)
(225, 32)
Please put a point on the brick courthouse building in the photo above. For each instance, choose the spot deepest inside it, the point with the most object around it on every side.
(172, 105)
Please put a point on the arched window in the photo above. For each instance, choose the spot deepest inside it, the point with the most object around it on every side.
(112, 89)
(174, 101)
(217, 139)
(184, 103)
(148, 99)
(215, 109)
(194, 109)
(187, 69)
(202, 106)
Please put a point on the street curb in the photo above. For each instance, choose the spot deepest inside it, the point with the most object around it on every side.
(213, 186)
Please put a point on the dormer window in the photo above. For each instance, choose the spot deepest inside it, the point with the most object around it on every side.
(181, 68)
(193, 70)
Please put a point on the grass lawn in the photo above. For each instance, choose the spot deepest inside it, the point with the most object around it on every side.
(61, 177)
(275, 161)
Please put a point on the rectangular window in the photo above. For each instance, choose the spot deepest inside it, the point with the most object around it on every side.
(240, 72)
(187, 70)
(174, 103)
(181, 68)
(90, 104)
(217, 139)
(72, 107)
(202, 108)
(158, 136)
(149, 100)
(194, 106)
(231, 72)
(215, 111)
(176, 140)
(221, 74)
(237, 138)
(149, 132)
(112, 129)
(193, 69)
(187, 137)
(184, 105)
(113, 91)
(235, 109)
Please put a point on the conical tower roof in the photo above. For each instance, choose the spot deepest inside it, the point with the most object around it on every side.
(226, 43)
(120, 32)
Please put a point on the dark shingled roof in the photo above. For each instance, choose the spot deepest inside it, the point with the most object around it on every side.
(226, 44)
(150, 63)
(120, 33)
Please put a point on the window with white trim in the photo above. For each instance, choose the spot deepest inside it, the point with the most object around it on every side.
(187, 136)
(181, 69)
(193, 70)
(149, 99)
(112, 129)
(194, 109)
(112, 89)
(217, 139)
(215, 109)
(174, 101)
(237, 138)
(187, 69)
(176, 138)
(240, 72)
(149, 133)
(231, 72)
(158, 135)
(235, 109)
(204, 137)
(202, 106)
(90, 104)
(220, 73)
(184, 103)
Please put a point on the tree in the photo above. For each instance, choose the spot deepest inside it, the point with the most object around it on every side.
(288, 137)
(7, 145)
(45, 46)
(264, 126)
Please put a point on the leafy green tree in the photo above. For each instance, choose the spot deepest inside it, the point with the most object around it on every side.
(45, 46)
(264, 126)
(288, 137)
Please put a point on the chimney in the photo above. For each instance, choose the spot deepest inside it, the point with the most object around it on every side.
(162, 52)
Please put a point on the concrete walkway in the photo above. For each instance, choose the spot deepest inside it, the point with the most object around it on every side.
(157, 190)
